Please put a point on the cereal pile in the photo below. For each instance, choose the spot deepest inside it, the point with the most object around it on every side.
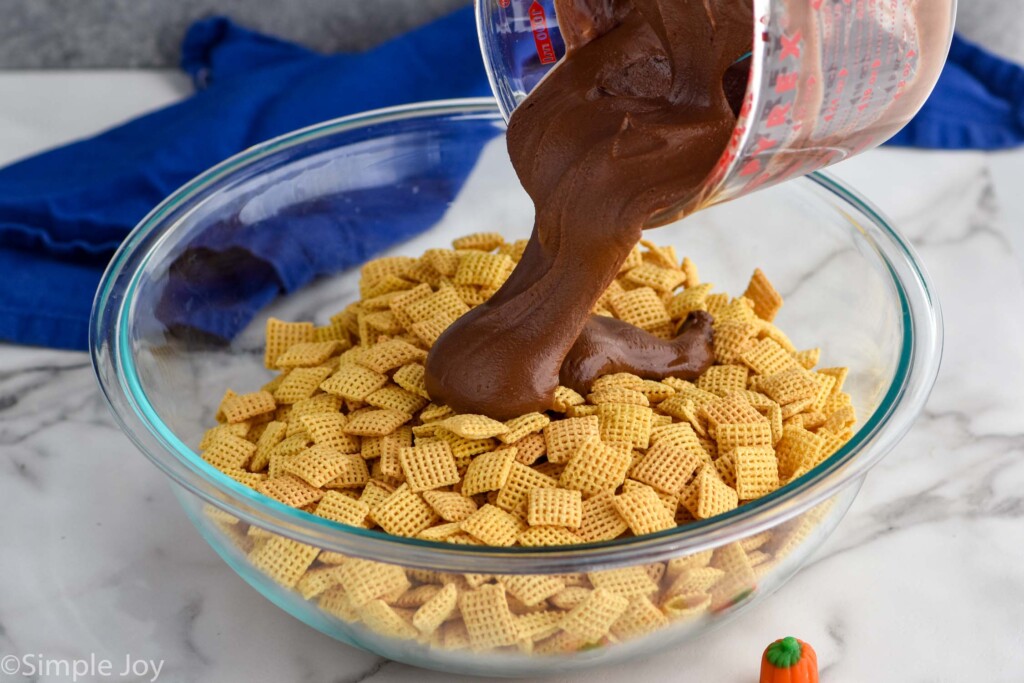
(347, 432)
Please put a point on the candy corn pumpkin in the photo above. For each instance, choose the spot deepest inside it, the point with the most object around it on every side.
(789, 661)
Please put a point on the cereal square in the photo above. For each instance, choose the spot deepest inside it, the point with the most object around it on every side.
(283, 560)
(592, 619)
(366, 580)
(428, 466)
(318, 465)
(403, 513)
(658, 278)
(798, 449)
(531, 448)
(488, 472)
(387, 356)
(523, 426)
(383, 619)
(493, 526)
(328, 430)
(555, 507)
(714, 496)
(444, 303)
(641, 307)
(597, 467)
(767, 301)
(532, 589)
(376, 422)
(757, 471)
(723, 379)
(565, 398)
(396, 398)
(290, 490)
(732, 339)
(353, 382)
(479, 241)
(625, 423)
(307, 354)
(518, 484)
(668, 468)
(280, 336)
(767, 357)
(641, 617)
(436, 610)
(642, 510)
(789, 386)
(483, 269)
(474, 426)
(537, 536)
(229, 452)
(733, 435)
(244, 406)
(338, 507)
(450, 506)
(600, 519)
(629, 582)
(564, 437)
(488, 620)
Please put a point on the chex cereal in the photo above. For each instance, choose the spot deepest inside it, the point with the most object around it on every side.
(555, 507)
(346, 431)
(493, 526)
(428, 466)
(597, 466)
(628, 582)
(643, 511)
(593, 617)
(546, 536)
(640, 618)
(563, 437)
(488, 620)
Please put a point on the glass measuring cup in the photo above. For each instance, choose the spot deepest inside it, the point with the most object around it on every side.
(828, 79)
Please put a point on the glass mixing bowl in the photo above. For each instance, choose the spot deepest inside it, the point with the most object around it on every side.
(852, 285)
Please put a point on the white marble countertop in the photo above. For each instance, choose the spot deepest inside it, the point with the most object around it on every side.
(96, 557)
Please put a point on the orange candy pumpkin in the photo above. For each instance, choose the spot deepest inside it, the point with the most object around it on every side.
(789, 661)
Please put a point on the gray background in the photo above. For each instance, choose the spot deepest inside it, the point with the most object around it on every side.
(146, 33)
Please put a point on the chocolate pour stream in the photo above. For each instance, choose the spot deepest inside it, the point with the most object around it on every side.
(631, 122)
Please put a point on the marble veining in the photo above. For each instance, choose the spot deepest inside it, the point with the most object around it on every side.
(919, 584)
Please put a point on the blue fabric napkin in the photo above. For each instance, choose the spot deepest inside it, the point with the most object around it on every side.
(978, 103)
(63, 213)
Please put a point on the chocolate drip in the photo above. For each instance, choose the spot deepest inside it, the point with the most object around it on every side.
(627, 126)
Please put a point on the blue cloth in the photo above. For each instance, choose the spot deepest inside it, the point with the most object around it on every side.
(978, 103)
(63, 213)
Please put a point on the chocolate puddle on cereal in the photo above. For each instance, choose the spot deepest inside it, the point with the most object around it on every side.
(631, 122)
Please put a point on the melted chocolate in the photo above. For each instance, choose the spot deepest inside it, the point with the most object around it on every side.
(626, 127)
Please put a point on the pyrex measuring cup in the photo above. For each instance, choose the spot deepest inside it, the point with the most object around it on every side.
(828, 79)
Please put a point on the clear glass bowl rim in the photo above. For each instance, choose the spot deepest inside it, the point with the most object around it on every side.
(114, 366)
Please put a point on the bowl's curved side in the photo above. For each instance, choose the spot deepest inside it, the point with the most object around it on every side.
(515, 664)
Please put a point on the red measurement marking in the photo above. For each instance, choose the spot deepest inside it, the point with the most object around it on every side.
(786, 82)
(791, 46)
(869, 92)
(777, 116)
(750, 168)
(763, 145)
(541, 34)
(504, 3)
